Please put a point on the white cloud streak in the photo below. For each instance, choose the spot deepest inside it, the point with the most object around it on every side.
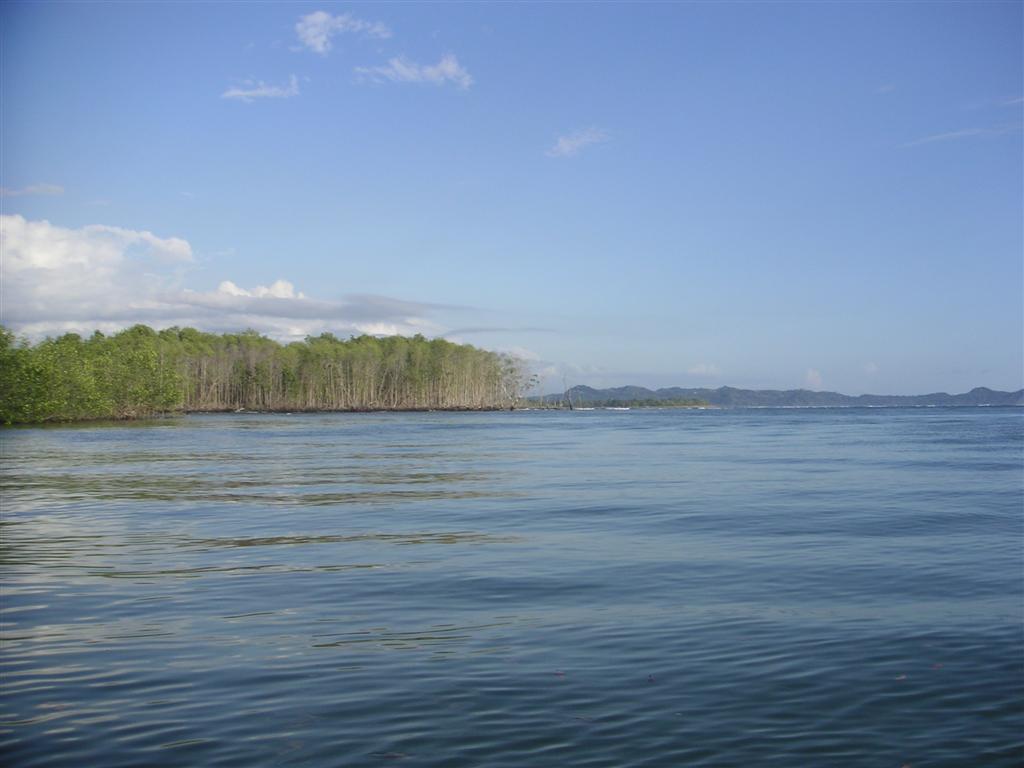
(250, 91)
(401, 70)
(33, 189)
(965, 133)
(58, 279)
(315, 30)
(572, 144)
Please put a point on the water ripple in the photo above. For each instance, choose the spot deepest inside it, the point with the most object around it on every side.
(714, 588)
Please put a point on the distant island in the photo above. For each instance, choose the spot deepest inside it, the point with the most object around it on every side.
(730, 397)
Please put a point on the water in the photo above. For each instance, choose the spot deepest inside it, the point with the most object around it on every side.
(833, 587)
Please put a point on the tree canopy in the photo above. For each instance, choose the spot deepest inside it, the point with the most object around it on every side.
(142, 372)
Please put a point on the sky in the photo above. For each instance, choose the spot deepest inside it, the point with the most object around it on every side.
(816, 195)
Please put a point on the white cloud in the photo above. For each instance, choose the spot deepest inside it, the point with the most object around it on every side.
(571, 144)
(251, 91)
(33, 189)
(870, 368)
(71, 274)
(38, 245)
(704, 369)
(315, 30)
(887, 88)
(813, 378)
(280, 289)
(401, 70)
(58, 279)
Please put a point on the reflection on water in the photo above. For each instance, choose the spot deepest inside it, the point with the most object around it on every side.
(272, 486)
(827, 587)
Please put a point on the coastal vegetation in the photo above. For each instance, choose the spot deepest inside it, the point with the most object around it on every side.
(142, 372)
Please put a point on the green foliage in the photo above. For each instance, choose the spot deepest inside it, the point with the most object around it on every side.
(141, 372)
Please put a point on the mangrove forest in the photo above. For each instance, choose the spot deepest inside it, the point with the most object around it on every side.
(141, 372)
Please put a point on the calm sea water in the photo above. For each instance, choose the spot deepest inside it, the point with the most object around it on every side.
(833, 587)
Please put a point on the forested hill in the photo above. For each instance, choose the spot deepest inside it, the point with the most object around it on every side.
(729, 397)
(142, 372)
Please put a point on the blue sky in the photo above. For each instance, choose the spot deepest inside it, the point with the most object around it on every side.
(762, 195)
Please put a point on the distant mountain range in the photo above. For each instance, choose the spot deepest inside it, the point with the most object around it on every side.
(729, 397)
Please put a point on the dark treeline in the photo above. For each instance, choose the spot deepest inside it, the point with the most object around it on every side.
(141, 372)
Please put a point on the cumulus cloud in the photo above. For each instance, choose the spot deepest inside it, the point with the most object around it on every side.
(572, 144)
(58, 279)
(280, 289)
(251, 90)
(704, 369)
(33, 189)
(51, 272)
(401, 70)
(813, 378)
(315, 30)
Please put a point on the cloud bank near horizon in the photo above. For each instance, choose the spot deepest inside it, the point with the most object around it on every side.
(98, 277)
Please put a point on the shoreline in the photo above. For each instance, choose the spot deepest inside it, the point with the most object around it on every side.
(306, 411)
(156, 417)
